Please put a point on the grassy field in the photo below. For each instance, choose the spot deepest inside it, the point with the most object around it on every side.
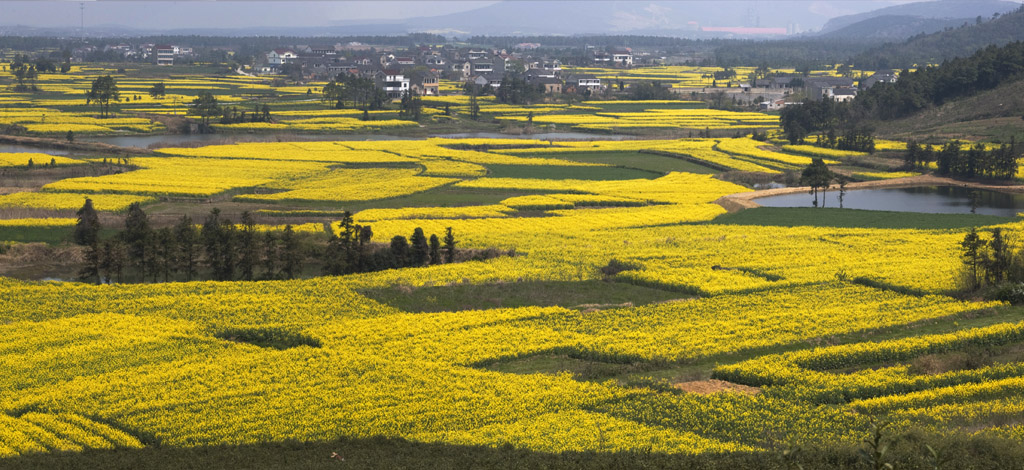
(546, 359)
(640, 161)
(994, 116)
(568, 172)
(852, 218)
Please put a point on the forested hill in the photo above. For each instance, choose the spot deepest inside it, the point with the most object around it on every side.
(893, 28)
(937, 47)
(926, 88)
(931, 86)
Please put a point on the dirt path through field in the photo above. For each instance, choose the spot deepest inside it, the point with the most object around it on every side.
(739, 201)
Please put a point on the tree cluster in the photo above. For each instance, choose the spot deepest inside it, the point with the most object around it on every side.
(515, 89)
(649, 91)
(206, 107)
(352, 252)
(954, 159)
(233, 116)
(24, 72)
(857, 140)
(358, 92)
(411, 106)
(826, 116)
(103, 91)
(990, 261)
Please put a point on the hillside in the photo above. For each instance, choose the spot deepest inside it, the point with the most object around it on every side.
(936, 47)
(941, 9)
(893, 28)
(994, 115)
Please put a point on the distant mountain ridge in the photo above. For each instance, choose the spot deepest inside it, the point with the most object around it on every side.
(943, 45)
(893, 28)
(948, 9)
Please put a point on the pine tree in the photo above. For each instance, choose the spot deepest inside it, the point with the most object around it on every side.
(270, 255)
(449, 246)
(435, 250)
(211, 234)
(136, 235)
(998, 262)
(972, 251)
(186, 240)
(400, 251)
(247, 246)
(87, 228)
(91, 269)
(419, 250)
(291, 255)
(165, 252)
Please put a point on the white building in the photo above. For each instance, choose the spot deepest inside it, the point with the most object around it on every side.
(281, 56)
(396, 84)
(164, 54)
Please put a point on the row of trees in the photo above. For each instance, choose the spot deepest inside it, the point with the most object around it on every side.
(970, 161)
(233, 115)
(225, 251)
(826, 116)
(221, 250)
(857, 140)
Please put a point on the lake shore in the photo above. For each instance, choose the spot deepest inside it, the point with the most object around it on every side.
(740, 201)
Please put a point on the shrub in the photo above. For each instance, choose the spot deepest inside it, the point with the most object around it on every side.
(615, 266)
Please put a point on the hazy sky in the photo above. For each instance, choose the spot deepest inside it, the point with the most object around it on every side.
(162, 15)
(219, 14)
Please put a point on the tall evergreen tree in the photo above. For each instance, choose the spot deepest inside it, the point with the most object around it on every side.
(137, 236)
(419, 250)
(435, 250)
(87, 228)
(972, 252)
(449, 246)
(212, 234)
(270, 255)
(186, 240)
(291, 253)
(399, 251)
(248, 257)
(91, 269)
(165, 252)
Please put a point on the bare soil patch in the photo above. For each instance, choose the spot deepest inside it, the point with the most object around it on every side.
(707, 387)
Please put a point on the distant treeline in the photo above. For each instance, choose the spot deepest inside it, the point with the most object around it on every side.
(597, 41)
(812, 53)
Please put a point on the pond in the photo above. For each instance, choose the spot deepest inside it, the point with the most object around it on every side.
(11, 148)
(926, 199)
(144, 141)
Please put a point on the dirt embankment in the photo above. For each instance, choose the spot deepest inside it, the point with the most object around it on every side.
(739, 201)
